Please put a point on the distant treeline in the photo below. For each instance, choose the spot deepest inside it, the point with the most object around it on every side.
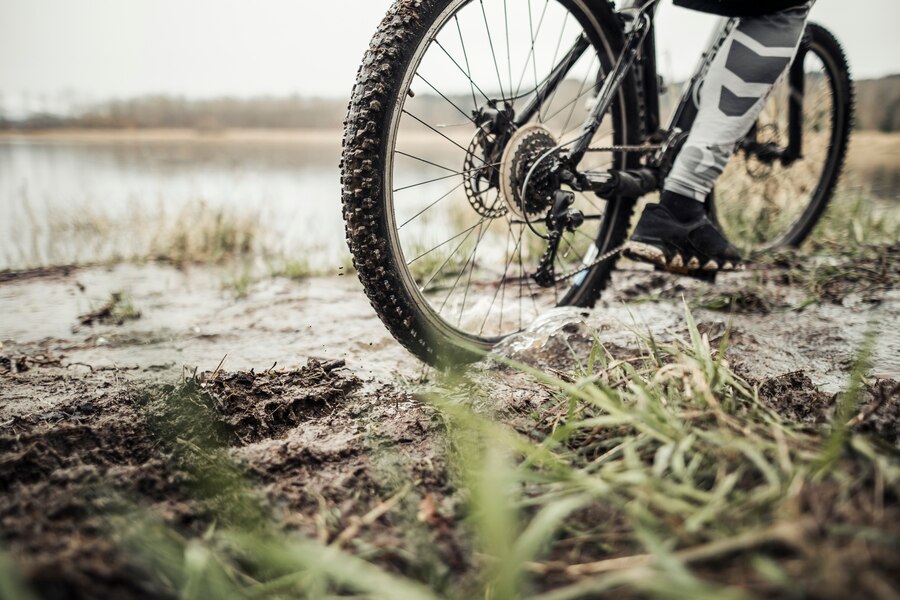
(878, 108)
(148, 112)
(878, 104)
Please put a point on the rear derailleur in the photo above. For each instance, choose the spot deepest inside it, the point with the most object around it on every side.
(562, 217)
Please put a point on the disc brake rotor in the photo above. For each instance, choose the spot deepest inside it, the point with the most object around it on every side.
(480, 177)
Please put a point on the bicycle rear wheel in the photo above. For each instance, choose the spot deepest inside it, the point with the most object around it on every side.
(447, 116)
(765, 204)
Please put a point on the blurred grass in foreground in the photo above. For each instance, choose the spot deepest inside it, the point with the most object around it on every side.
(661, 476)
(853, 220)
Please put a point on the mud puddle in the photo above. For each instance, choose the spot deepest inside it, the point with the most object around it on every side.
(192, 319)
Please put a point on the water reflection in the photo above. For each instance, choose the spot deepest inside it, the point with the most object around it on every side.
(57, 196)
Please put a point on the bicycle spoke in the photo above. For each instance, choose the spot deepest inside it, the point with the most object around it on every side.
(553, 62)
(463, 270)
(508, 52)
(449, 101)
(524, 274)
(530, 57)
(565, 128)
(444, 243)
(493, 53)
(406, 112)
(595, 88)
(501, 286)
(468, 71)
(427, 162)
(444, 264)
(461, 70)
(426, 182)
(462, 307)
(421, 212)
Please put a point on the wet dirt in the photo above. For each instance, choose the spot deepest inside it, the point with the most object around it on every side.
(310, 401)
(308, 438)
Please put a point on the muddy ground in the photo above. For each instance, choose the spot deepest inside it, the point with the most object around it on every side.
(318, 405)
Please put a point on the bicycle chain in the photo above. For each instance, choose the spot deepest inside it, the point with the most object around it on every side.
(644, 148)
(602, 258)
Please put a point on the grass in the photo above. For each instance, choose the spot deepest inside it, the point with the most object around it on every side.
(116, 310)
(662, 475)
(855, 220)
(438, 264)
(244, 274)
(202, 235)
(296, 269)
(239, 281)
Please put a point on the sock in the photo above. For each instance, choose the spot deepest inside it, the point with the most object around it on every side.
(683, 208)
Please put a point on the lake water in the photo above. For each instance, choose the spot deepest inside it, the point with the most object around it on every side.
(94, 199)
(69, 201)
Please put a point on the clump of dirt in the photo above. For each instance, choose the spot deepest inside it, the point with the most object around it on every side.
(795, 397)
(281, 400)
(299, 437)
(880, 411)
(13, 363)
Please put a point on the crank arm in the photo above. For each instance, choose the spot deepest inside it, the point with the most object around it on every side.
(632, 183)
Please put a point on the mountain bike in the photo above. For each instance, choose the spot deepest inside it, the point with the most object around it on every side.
(495, 151)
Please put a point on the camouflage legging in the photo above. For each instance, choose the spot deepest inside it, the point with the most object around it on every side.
(755, 55)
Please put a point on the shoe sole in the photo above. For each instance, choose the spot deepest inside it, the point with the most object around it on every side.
(648, 253)
(644, 253)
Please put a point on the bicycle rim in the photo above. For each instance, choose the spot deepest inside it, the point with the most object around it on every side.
(763, 207)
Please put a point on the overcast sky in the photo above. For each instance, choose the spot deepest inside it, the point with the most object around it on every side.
(97, 49)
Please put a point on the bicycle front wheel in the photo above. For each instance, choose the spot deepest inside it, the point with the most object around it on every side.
(764, 202)
(455, 105)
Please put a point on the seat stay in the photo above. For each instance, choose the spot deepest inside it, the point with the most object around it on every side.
(606, 96)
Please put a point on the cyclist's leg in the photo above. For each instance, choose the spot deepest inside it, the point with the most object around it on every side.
(755, 55)
(752, 59)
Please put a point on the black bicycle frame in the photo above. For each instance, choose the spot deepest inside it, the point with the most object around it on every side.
(638, 59)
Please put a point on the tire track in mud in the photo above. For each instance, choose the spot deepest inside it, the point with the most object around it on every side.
(312, 443)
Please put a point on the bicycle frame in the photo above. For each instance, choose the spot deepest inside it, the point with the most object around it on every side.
(638, 60)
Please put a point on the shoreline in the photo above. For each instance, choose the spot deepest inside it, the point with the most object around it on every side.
(250, 135)
(867, 148)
